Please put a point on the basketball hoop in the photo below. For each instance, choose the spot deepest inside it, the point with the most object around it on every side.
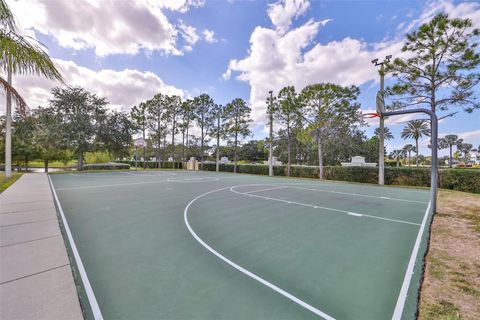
(370, 115)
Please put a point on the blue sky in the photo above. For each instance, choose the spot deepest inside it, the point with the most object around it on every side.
(128, 51)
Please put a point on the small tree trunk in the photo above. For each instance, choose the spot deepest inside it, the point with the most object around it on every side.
(235, 153)
(201, 149)
(450, 159)
(46, 164)
(398, 162)
(173, 142)
(26, 163)
(409, 152)
(288, 151)
(320, 158)
(80, 161)
(416, 145)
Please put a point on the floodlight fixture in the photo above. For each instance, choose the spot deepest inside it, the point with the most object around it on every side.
(374, 61)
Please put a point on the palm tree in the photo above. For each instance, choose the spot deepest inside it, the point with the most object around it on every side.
(465, 148)
(397, 155)
(415, 129)
(19, 55)
(387, 132)
(408, 148)
(449, 141)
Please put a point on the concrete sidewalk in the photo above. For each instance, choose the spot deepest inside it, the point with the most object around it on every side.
(36, 281)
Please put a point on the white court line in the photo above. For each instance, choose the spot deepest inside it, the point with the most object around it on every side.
(110, 185)
(358, 194)
(245, 271)
(187, 180)
(397, 314)
(97, 313)
(325, 208)
(276, 188)
(159, 174)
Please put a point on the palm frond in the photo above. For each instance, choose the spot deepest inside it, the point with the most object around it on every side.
(21, 105)
(26, 56)
(6, 16)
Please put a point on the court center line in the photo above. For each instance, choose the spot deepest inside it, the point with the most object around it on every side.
(97, 313)
(243, 270)
(359, 195)
(350, 213)
(397, 313)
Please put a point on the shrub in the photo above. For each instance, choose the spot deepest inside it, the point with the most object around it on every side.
(462, 180)
(154, 164)
(456, 179)
(106, 166)
(98, 157)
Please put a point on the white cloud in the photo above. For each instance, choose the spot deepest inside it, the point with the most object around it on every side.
(107, 26)
(189, 33)
(282, 56)
(461, 10)
(123, 89)
(278, 58)
(283, 12)
(180, 5)
(209, 36)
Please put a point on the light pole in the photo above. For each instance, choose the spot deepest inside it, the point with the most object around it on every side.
(270, 151)
(220, 109)
(381, 147)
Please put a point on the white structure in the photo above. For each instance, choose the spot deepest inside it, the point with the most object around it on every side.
(224, 160)
(275, 162)
(474, 157)
(192, 164)
(358, 161)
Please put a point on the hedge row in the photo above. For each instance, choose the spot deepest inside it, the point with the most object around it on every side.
(461, 180)
(155, 164)
(105, 166)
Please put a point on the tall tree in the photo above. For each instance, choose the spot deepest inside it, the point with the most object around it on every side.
(286, 112)
(415, 129)
(329, 109)
(204, 115)
(408, 149)
(174, 104)
(186, 114)
(79, 111)
(140, 121)
(237, 116)
(449, 141)
(50, 143)
(19, 55)
(24, 148)
(156, 122)
(440, 70)
(465, 149)
(114, 133)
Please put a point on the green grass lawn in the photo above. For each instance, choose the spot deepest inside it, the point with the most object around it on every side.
(5, 183)
(51, 164)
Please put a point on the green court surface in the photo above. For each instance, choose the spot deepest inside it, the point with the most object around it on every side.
(205, 245)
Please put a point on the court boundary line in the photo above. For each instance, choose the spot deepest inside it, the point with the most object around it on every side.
(111, 185)
(358, 194)
(97, 313)
(350, 213)
(402, 297)
(243, 270)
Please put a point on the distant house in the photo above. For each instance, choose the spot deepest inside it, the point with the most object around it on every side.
(474, 157)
